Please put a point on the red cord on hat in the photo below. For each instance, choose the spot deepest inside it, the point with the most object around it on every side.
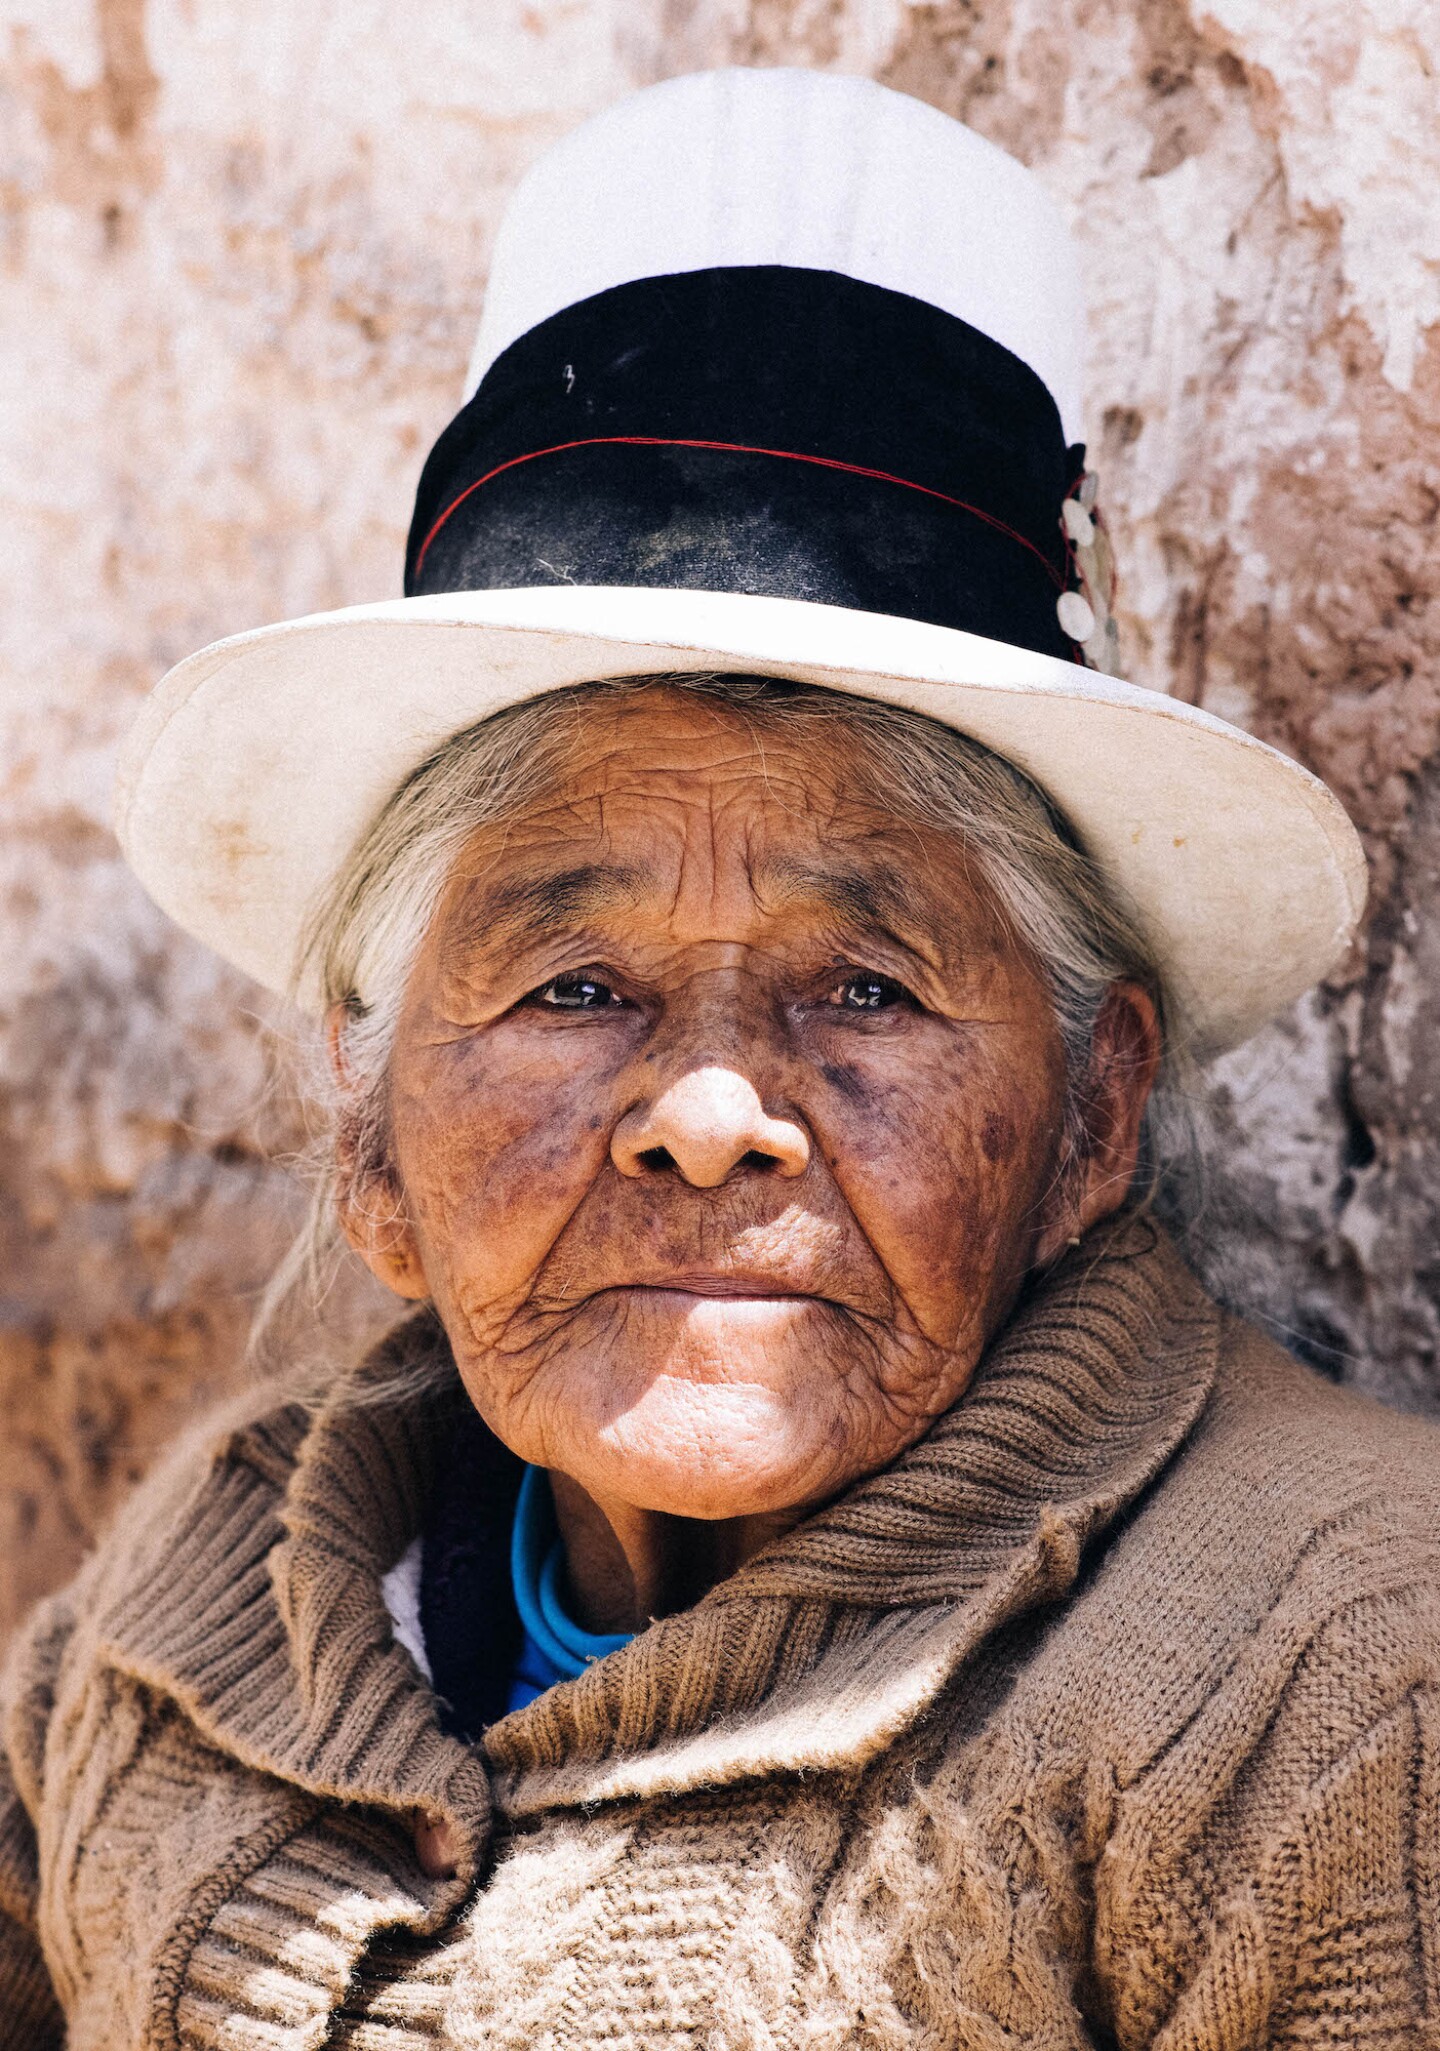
(656, 441)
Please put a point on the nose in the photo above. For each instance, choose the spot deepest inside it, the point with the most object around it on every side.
(706, 1124)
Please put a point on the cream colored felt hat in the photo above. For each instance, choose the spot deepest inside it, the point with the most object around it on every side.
(779, 374)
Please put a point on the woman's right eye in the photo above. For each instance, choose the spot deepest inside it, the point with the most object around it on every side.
(576, 992)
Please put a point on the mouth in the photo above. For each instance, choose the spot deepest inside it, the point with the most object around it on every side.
(728, 1288)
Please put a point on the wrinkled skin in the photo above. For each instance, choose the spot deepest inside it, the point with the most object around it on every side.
(727, 1126)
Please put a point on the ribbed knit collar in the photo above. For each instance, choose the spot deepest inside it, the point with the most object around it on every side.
(259, 1609)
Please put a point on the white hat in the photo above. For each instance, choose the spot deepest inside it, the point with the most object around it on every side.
(779, 373)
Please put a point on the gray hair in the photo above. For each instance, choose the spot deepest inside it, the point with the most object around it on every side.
(364, 939)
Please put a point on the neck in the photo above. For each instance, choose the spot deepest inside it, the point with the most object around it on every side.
(625, 1566)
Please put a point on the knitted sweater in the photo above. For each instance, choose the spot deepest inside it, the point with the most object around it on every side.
(1109, 1715)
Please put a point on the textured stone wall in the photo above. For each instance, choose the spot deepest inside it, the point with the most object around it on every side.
(243, 251)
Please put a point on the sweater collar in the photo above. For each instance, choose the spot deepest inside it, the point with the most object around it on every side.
(261, 1609)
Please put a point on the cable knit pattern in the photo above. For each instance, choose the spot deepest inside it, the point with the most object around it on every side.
(1107, 1716)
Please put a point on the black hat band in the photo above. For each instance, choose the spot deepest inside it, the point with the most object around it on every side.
(786, 432)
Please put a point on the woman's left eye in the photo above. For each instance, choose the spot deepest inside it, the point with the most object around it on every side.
(864, 991)
(578, 992)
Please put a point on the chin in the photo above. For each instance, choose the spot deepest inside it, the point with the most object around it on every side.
(697, 1407)
(707, 1449)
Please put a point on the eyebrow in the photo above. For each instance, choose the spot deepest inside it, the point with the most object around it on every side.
(877, 896)
(534, 907)
(541, 905)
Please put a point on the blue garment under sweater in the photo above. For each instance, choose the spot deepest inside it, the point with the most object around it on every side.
(553, 1647)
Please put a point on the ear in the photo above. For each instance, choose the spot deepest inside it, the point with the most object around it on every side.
(1124, 1060)
(368, 1205)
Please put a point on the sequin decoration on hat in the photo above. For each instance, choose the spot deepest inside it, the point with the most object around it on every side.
(1087, 615)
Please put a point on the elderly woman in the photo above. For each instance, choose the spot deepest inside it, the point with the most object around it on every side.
(814, 1569)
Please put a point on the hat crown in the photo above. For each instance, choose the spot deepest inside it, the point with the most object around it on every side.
(804, 169)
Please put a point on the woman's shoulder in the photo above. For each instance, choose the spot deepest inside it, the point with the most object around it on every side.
(199, 1550)
(221, 1496)
(1290, 1552)
(1298, 1457)
(235, 1463)
(61, 1717)
(232, 1467)
(1294, 1488)
(1256, 1660)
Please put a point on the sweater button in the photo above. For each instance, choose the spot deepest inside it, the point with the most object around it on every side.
(435, 1848)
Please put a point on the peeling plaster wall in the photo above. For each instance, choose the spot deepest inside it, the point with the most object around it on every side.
(243, 252)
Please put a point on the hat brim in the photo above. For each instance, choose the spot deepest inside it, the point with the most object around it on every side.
(257, 764)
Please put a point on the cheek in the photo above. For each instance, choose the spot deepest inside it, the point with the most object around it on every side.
(942, 1161)
(495, 1150)
(997, 1138)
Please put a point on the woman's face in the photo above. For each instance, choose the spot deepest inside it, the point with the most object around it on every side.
(726, 1118)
